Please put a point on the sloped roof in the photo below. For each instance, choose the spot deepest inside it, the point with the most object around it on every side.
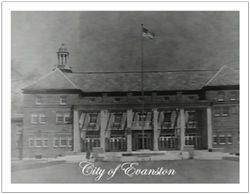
(131, 81)
(226, 76)
(53, 80)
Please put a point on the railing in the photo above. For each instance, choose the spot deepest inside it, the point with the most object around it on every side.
(193, 139)
(140, 123)
(167, 125)
(91, 142)
(168, 142)
(118, 144)
(192, 124)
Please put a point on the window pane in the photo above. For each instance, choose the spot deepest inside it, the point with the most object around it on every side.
(63, 100)
(56, 142)
(34, 118)
(233, 96)
(222, 139)
(38, 143)
(167, 117)
(217, 111)
(31, 142)
(221, 96)
(225, 111)
(45, 143)
(39, 100)
(63, 143)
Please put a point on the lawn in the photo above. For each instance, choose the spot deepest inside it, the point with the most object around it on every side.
(186, 171)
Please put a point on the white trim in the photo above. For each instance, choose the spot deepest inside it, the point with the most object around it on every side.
(44, 138)
(18, 130)
(69, 79)
(55, 138)
(63, 138)
(40, 116)
(33, 116)
(38, 79)
(64, 116)
(229, 136)
(57, 115)
(38, 97)
(215, 75)
(33, 142)
(63, 98)
(224, 137)
(36, 142)
(70, 139)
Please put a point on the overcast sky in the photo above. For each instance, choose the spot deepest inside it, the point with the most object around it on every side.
(110, 41)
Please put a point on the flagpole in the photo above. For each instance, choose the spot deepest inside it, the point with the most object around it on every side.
(142, 91)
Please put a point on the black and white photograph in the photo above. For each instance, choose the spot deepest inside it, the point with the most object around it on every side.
(125, 96)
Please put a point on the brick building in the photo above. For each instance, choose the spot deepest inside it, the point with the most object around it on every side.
(67, 111)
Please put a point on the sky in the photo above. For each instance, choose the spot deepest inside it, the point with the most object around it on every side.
(111, 41)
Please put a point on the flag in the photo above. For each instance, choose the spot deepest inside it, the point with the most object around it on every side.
(147, 34)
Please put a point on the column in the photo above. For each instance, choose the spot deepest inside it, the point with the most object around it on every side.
(129, 131)
(156, 132)
(182, 132)
(104, 120)
(77, 147)
(209, 128)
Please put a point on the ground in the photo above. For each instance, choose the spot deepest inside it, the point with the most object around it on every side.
(187, 171)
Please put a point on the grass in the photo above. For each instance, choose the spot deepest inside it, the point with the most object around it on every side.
(187, 171)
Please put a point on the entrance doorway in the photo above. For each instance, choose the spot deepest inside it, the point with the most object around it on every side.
(139, 139)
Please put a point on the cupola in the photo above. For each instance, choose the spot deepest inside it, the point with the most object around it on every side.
(63, 56)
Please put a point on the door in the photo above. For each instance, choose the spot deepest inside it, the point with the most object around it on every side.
(139, 139)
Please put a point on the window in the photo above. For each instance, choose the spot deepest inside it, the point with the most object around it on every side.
(42, 118)
(141, 99)
(166, 98)
(92, 100)
(117, 100)
(229, 139)
(59, 117)
(39, 100)
(69, 142)
(192, 119)
(93, 118)
(66, 117)
(118, 118)
(38, 142)
(225, 111)
(63, 142)
(142, 117)
(217, 111)
(233, 96)
(215, 139)
(31, 142)
(63, 100)
(221, 96)
(45, 142)
(34, 118)
(222, 139)
(167, 117)
(56, 142)
(234, 110)
(19, 129)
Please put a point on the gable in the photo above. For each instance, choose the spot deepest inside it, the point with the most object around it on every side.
(226, 76)
(54, 80)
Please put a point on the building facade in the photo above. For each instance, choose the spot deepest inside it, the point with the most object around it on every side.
(67, 112)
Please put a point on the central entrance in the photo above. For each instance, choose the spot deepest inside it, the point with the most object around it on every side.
(138, 140)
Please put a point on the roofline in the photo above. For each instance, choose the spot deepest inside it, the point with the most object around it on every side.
(38, 79)
(138, 71)
(224, 66)
(69, 79)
